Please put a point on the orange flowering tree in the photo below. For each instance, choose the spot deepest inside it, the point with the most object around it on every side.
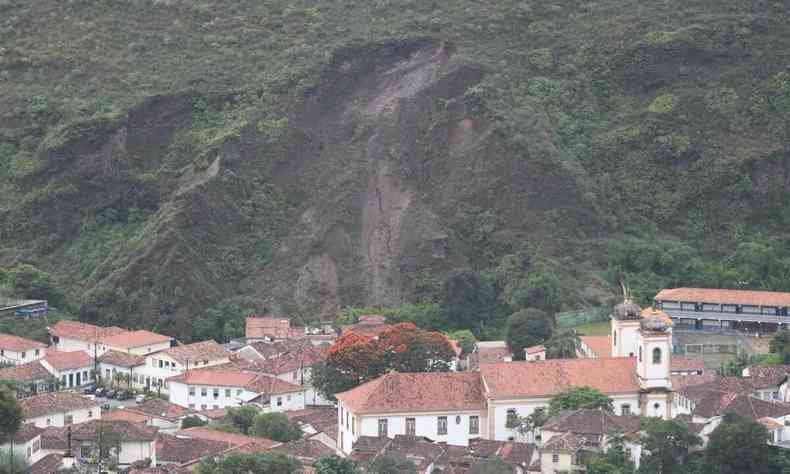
(355, 359)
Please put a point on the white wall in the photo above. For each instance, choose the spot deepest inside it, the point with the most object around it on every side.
(137, 451)
(179, 394)
(68, 382)
(59, 419)
(66, 344)
(23, 357)
(170, 368)
(625, 339)
(144, 350)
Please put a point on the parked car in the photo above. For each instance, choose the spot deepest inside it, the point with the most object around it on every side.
(100, 392)
(90, 396)
(140, 398)
(111, 393)
(123, 395)
(89, 389)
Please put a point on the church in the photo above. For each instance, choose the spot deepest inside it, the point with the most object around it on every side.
(457, 407)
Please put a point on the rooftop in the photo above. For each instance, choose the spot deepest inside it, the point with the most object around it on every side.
(54, 402)
(718, 404)
(601, 346)
(768, 376)
(156, 407)
(323, 418)
(252, 381)
(305, 449)
(133, 339)
(722, 296)
(83, 331)
(568, 442)
(9, 342)
(591, 422)
(232, 439)
(125, 415)
(60, 360)
(418, 392)
(173, 449)
(205, 350)
(687, 364)
(126, 430)
(27, 432)
(546, 378)
(258, 327)
(121, 359)
(294, 358)
(29, 372)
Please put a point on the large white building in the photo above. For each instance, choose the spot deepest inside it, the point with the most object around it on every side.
(70, 336)
(448, 407)
(162, 365)
(18, 350)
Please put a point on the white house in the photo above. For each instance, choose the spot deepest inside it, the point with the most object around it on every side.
(139, 342)
(73, 369)
(59, 409)
(208, 389)
(69, 336)
(160, 366)
(135, 441)
(18, 350)
(120, 368)
(443, 406)
(27, 444)
(162, 414)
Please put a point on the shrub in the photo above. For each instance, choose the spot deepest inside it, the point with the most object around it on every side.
(662, 104)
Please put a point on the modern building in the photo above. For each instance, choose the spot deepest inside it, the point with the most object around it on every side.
(721, 309)
(18, 350)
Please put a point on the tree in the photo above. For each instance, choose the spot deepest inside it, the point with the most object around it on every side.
(465, 339)
(28, 281)
(525, 328)
(665, 445)
(405, 348)
(780, 344)
(10, 414)
(335, 465)
(740, 445)
(614, 460)
(275, 426)
(242, 417)
(563, 345)
(576, 398)
(491, 466)
(391, 464)
(468, 301)
(192, 421)
(263, 463)
(12, 463)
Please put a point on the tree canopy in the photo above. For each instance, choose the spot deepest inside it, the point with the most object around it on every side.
(740, 445)
(665, 445)
(391, 464)
(335, 465)
(780, 345)
(614, 460)
(526, 328)
(10, 414)
(264, 463)
(275, 426)
(562, 345)
(576, 398)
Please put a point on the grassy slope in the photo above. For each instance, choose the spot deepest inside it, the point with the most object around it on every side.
(656, 109)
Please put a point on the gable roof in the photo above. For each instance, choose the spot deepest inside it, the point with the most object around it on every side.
(10, 342)
(30, 372)
(232, 439)
(686, 363)
(601, 346)
(568, 442)
(27, 432)
(718, 404)
(416, 392)
(54, 402)
(297, 356)
(696, 392)
(121, 359)
(60, 360)
(305, 449)
(126, 430)
(125, 415)
(546, 378)
(723, 296)
(257, 327)
(158, 408)
(323, 418)
(82, 331)
(132, 339)
(172, 449)
(204, 350)
(768, 376)
(591, 422)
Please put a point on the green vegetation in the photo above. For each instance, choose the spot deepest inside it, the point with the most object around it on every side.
(10, 414)
(576, 398)
(526, 328)
(335, 465)
(740, 445)
(275, 426)
(391, 464)
(268, 463)
(666, 445)
(192, 422)
(594, 329)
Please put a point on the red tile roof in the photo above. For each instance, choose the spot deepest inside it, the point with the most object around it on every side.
(47, 465)
(60, 360)
(205, 350)
(54, 402)
(323, 418)
(132, 339)
(82, 331)
(718, 404)
(27, 432)
(125, 415)
(267, 326)
(768, 376)
(546, 378)
(127, 431)
(365, 329)
(232, 439)
(535, 349)
(601, 346)
(30, 372)
(307, 450)
(303, 355)
(172, 449)
(680, 382)
(158, 408)
(9, 342)
(721, 296)
(591, 422)
(254, 382)
(121, 359)
(416, 392)
(686, 363)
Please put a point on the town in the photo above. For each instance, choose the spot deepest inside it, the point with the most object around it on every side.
(140, 402)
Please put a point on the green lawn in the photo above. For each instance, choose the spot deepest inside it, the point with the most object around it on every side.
(594, 329)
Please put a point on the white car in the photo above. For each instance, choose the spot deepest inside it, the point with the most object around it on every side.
(140, 398)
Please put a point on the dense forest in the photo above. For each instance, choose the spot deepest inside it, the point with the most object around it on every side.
(177, 164)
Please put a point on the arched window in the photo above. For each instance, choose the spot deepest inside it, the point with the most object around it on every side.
(656, 355)
(640, 354)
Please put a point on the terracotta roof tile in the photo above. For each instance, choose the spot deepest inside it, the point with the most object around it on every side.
(47, 465)
(568, 442)
(592, 422)
(768, 376)
(60, 360)
(723, 296)
(27, 432)
(54, 402)
(125, 415)
(232, 439)
(547, 378)
(252, 381)
(132, 339)
(601, 346)
(121, 359)
(535, 349)
(365, 329)
(322, 418)
(9, 342)
(303, 355)
(687, 364)
(205, 350)
(30, 372)
(305, 449)
(126, 430)
(82, 331)
(717, 404)
(434, 391)
(173, 449)
(158, 408)
(267, 326)
(680, 382)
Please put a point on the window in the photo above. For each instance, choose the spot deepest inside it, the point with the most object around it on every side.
(279, 401)
(441, 425)
(205, 362)
(86, 451)
(202, 407)
(192, 406)
(90, 413)
(640, 354)
(238, 391)
(474, 425)
(23, 355)
(192, 391)
(49, 421)
(348, 420)
(227, 392)
(411, 426)
(512, 418)
(457, 419)
(69, 420)
(29, 452)
(352, 424)
(216, 393)
(555, 458)
(38, 351)
(161, 363)
(625, 410)
(614, 338)
(203, 391)
(383, 428)
(656, 355)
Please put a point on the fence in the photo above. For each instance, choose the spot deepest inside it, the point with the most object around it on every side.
(569, 319)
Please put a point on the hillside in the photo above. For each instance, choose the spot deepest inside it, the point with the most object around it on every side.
(158, 158)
